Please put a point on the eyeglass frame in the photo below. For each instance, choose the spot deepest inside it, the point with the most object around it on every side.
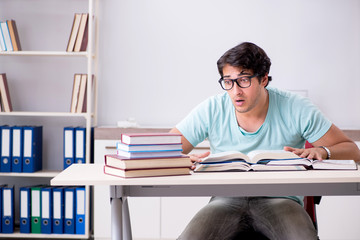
(236, 80)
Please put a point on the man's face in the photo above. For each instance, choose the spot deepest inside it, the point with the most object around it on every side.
(244, 99)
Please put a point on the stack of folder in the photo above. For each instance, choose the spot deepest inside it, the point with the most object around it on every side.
(46, 210)
(21, 148)
(74, 145)
(148, 154)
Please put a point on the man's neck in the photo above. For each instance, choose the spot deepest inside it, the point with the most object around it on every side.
(251, 121)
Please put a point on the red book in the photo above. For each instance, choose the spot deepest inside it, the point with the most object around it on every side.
(114, 160)
(150, 138)
(146, 172)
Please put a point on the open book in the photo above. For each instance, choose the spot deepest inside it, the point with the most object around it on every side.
(257, 156)
(317, 164)
(267, 160)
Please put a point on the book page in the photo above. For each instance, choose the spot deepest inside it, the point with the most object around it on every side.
(258, 155)
(225, 156)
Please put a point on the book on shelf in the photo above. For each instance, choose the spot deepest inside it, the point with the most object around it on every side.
(15, 40)
(2, 41)
(116, 161)
(79, 93)
(148, 147)
(75, 92)
(74, 32)
(82, 94)
(6, 36)
(150, 138)
(132, 173)
(82, 38)
(5, 94)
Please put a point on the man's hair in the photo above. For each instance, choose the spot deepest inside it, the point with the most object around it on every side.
(247, 56)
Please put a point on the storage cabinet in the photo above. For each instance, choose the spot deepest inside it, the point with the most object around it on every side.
(43, 97)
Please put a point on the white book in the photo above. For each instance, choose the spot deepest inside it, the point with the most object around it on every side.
(6, 35)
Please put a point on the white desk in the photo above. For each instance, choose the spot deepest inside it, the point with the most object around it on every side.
(207, 184)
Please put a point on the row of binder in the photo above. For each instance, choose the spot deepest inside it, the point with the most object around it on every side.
(21, 148)
(74, 145)
(47, 210)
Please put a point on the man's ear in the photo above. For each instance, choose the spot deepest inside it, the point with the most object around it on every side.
(265, 80)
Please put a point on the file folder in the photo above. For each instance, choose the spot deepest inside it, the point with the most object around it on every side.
(46, 210)
(35, 209)
(25, 209)
(17, 149)
(69, 149)
(1, 201)
(8, 209)
(58, 210)
(6, 141)
(69, 225)
(80, 140)
(32, 157)
(80, 211)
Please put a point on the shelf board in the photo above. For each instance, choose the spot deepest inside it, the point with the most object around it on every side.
(19, 235)
(43, 114)
(44, 53)
(42, 173)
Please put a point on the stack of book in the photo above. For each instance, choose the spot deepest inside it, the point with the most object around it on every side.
(9, 37)
(79, 33)
(146, 155)
(79, 93)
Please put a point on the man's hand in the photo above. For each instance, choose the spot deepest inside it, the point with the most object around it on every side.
(198, 158)
(310, 153)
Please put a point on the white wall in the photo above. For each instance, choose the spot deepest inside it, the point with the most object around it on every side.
(158, 60)
(158, 57)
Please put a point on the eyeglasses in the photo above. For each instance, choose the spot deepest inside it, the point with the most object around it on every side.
(242, 81)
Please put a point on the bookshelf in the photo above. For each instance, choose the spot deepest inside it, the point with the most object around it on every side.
(89, 59)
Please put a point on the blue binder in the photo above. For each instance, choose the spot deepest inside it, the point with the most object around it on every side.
(17, 149)
(8, 209)
(80, 144)
(6, 143)
(1, 200)
(46, 210)
(80, 210)
(69, 225)
(58, 210)
(32, 156)
(69, 146)
(25, 209)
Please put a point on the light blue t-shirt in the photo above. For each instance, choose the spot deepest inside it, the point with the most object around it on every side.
(290, 121)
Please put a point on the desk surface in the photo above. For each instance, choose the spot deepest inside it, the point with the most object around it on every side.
(302, 183)
(93, 174)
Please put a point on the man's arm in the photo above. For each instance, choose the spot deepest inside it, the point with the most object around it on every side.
(339, 145)
(186, 145)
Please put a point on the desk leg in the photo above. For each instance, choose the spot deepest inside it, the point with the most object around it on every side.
(120, 218)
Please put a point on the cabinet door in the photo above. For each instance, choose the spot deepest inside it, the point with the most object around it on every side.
(144, 212)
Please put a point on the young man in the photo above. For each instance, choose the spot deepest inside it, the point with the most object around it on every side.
(249, 116)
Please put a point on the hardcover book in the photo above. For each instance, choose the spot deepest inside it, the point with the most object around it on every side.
(150, 138)
(5, 94)
(146, 172)
(14, 35)
(114, 160)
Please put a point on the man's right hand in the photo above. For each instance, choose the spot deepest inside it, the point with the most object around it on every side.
(197, 157)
